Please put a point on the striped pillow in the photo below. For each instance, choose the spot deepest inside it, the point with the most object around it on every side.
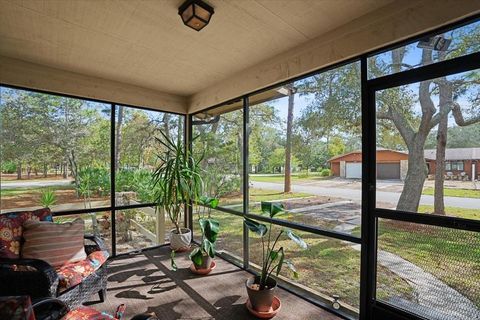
(54, 243)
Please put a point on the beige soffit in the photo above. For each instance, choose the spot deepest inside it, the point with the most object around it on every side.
(384, 26)
(25, 74)
(144, 43)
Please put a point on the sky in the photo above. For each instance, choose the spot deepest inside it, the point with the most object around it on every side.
(412, 57)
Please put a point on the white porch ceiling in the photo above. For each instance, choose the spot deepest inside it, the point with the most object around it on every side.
(144, 43)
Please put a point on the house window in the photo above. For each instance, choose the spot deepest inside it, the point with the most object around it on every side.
(454, 165)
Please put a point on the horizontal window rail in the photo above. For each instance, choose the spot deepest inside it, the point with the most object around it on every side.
(101, 209)
(429, 219)
(295, 225)
(431, 71)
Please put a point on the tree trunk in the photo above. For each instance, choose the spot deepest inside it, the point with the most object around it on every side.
(65, 170)
(445, 101)
(288, 145)
(19, 171)
(45, 170)
(118, 137)
(416, 174)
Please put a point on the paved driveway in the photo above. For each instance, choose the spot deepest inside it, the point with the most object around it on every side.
(35, 184)
(356, 194)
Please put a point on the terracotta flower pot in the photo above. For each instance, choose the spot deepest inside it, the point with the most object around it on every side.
(206, 263)
(261, 300)
(180, 241)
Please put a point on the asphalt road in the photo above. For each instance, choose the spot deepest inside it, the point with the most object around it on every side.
(356, 194)
(34, 184)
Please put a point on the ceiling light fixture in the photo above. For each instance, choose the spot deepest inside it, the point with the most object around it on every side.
(195, 14)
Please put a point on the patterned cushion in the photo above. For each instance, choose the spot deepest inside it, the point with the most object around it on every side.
(72, 274)
(86, 313)
(16, 308)
(11, 229)
(57, 244)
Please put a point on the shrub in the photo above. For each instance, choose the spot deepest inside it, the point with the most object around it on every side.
(326, 172)
(9, 167)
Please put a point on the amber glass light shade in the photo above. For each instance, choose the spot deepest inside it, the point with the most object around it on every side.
(195, 14)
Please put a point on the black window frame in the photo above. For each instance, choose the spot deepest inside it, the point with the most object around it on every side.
(113, 207)
(370, 308)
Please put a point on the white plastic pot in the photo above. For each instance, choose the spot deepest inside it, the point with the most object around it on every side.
(180, 242)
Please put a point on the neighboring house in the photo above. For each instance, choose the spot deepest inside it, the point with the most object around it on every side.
(457, 161)
(391, 164)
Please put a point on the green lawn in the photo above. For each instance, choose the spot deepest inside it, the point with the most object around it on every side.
(454, 211)
(5, 192)
(329, 266)
(453, 192)
(262, 195)
(451, 255)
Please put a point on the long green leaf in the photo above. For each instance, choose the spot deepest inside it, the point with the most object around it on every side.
(256, 227)
(296, 239)
(292, 268)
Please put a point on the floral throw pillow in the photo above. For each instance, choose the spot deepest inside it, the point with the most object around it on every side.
(11, 229)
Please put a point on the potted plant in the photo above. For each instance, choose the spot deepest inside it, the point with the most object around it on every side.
(202, 256)
(177, 182)
(48, 198)
(261, 288)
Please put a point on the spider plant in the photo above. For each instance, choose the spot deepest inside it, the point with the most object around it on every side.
(176, 180)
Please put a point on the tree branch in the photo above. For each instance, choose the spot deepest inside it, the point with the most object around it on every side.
(458, 116)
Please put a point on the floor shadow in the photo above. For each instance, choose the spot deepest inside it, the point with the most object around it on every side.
(165, 311)
(125, 275)
(158, 288)
(132, 294)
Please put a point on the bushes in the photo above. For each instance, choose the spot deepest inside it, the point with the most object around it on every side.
(325, 172)
(9, 167)
(95, 181)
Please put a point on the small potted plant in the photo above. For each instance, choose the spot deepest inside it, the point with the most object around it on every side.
(202, 256)
(177, 183)
(48, 198)
(261, 288)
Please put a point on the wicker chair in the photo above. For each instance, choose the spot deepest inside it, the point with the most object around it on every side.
(40, 279)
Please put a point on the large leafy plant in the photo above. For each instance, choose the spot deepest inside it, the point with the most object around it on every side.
(209, 228)
(273, 258)
(176, 180)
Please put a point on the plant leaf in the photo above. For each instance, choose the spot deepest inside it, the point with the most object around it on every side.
(282, 259)
(210, 228)
(292, 268)
(271, 208)
(196, 256)
(296, 239)
(256, 227)
(172, 261)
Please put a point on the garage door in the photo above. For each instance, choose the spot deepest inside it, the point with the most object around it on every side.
(388, 171)
(353, 170)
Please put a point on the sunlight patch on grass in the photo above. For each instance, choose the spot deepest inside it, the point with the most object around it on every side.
(453, 192)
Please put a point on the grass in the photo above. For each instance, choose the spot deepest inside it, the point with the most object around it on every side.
(454, 192)
(6, 192)
(261, 195)
(451, 255)
(328, 266)
(454, 211)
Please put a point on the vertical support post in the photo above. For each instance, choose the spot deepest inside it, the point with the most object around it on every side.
(245, 170)
(369, 229)
(188, 136)
(160, 225)
(112, 177)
